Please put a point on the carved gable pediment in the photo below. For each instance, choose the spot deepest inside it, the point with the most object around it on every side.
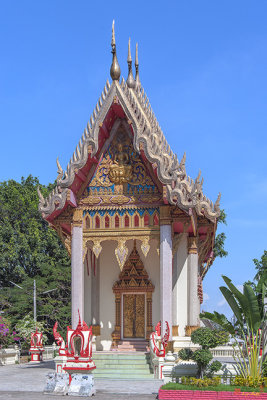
(133, 275)
(121, 177)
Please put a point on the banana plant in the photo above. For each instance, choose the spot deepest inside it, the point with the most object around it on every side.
(245, 306)
(248, 308)
(249, 313)
(219, 319)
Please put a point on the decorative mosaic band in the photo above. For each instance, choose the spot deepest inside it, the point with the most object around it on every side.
(121, 211)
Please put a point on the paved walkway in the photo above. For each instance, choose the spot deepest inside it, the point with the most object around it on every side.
(27, 381)
(98, 396)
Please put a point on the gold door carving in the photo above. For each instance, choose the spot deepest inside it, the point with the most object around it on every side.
(133, 291)
(134, 315)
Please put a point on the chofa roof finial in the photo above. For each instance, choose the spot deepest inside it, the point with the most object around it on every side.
(137, 79)
(115, 70)
(130, 80)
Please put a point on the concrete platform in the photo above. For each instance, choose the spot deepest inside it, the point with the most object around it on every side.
(99, 396)
(26, 381)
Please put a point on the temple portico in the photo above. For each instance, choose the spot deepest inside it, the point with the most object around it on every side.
(139, 230)
(169, 259)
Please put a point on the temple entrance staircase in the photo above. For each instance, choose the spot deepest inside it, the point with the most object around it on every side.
(129, 361)
(133, 345)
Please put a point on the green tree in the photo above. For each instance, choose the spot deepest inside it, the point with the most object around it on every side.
(207, 339)
(248, 309)
(261, 268)
(245, 306)
(30, 249)
(218, 249)
(6, 337)
(25, 327)
(220, 320)
(250, 315)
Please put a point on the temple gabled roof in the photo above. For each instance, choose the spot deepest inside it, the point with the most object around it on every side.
(128, 102)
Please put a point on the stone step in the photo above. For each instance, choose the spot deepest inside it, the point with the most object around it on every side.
(119, 365)
(126, 377)
(119, 356)
(122, 374)
(133, 349)
(134, 371)
(123, 363)
(137, 344)
(132, 345)
(142, 369)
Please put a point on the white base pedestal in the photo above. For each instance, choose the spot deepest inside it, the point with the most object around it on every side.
(57, 384)
(60, 363)
(82, 385)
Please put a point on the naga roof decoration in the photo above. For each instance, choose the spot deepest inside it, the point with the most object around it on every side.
(181, 190)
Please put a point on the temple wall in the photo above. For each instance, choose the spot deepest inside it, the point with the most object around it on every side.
(108, 268)
(151, 263)
(87, 294)
(180, 287)
(109, 273)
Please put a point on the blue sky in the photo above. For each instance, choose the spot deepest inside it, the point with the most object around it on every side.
(203, 65)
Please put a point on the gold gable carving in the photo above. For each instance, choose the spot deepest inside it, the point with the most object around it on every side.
(133, 275)
(121, 177)
(133, 283)
(132, 272)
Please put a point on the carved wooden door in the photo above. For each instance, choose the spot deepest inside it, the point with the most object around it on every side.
(133, 316)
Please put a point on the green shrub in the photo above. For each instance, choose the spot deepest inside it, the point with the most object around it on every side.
(185, 354)
(25, 327)
(205, 382)
(215, 366)
(264, 368)
(209, 338)
(249, 381)
(202, 357)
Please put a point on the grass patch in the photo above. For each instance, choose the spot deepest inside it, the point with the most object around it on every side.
(219, 388)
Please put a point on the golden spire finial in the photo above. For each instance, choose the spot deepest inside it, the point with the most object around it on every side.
(137, 79)
(115, 70)
(130, 80)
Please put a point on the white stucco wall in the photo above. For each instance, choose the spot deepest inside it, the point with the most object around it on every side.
(180, 287)
(87, 294)
(109, 273)
(151, 264)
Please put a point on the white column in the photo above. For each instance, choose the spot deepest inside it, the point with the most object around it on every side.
(95, 292)
(193, 300)
(179, 285)
(165, 270)
(87, 289)
(77, 275)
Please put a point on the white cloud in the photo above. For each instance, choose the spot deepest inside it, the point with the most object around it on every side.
(222, 302)
(206, 297)
(240, 288)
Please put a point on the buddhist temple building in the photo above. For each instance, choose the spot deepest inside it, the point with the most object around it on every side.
(139, 230)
